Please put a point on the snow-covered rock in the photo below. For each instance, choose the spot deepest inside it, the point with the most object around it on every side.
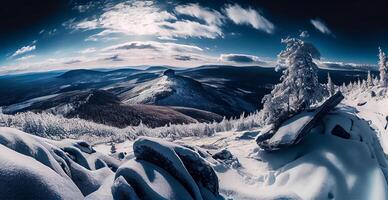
(324, 165)
(37, 168)
(293, 130)
(183, 163)
(23, 177)
(321, 166)
(152, 182)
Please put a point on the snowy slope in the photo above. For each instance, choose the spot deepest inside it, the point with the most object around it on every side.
(373, 109)
(333, 167)
(103, 107)
(324, 165)
(177, 90)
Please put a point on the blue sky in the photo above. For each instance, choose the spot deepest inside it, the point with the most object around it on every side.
(111, 33)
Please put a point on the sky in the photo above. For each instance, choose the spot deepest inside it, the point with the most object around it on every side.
(68, 34)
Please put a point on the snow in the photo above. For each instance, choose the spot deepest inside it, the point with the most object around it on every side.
(183, 163)
(19, 106)
(48, 169)
(321, 166)
(287, 133)
(374, 110)
(175, 90)
(30, 176)
(152, 182)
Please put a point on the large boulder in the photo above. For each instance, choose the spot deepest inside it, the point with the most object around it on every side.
(186, 165)
(67, 169)
(23, 177)
(293, 130)
(149, 181)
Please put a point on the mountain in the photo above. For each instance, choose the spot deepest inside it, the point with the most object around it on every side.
(103, 107)
(224, 90)
(81, 73)
(175, 90)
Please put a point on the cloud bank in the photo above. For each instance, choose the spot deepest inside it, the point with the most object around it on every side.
(243, 59)
(147, 18)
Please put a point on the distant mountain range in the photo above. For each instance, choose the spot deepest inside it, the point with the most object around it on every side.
(155, 96)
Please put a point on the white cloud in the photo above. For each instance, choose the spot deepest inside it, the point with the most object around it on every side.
(320, 26)
(249, 16)
(304, 34)
(345, 66)
(88, 50)
(105, 35)
(135, 53)
(86, 7)
(159, 47)
(205, 14)
(25, 58)
(145, 18)
(24, 49)
(244, 59)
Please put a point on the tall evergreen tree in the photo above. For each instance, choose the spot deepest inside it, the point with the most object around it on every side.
(383, 68)
(369, 80)
(330, 85)
(299, 88)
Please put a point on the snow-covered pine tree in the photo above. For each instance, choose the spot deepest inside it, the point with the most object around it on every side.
(330, 85)
(350, 86)
(376, 80)
(383, 68)
(369, 80)
(299, 88)
(363, 84)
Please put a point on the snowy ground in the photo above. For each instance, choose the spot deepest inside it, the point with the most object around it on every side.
(372, 109)
(352, 164)
(322, 166)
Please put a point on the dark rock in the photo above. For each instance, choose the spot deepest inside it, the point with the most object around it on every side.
(223, 155)
(169, 72)
(227, 158)
(373, 94)
(248, 135)
(361, 103)
(121, 155)
(340, 132)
